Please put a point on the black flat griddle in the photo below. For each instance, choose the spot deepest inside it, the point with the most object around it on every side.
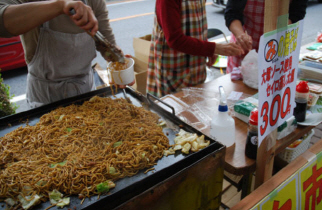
(129, 187)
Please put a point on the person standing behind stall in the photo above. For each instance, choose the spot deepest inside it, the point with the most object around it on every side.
(179, 46)
(58, 51)
(245, 19)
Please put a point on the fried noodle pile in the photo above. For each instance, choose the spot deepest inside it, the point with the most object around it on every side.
(74, 148)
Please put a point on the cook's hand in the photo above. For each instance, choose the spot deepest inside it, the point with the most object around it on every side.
(245, 41)
(84, 16)
(230, 49)
(211, 60)
(124, 86)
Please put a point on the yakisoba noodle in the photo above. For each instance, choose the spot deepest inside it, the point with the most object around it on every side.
(117, 66)
(74, 148)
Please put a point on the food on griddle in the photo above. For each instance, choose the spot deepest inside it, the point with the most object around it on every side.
(79, 150)
(187, 142)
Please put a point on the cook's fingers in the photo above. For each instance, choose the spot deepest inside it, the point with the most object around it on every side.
(124, 86)
(82, 15)
(77, 8)
(132, 83)
(83, 20)
(91, 25)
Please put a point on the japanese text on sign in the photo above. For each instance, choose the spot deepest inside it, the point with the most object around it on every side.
(278, 57)
(302, 190)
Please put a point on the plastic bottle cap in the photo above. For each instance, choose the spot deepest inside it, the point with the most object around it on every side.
(302, 87)
(223, 108)
(253, 118)
(222, 102)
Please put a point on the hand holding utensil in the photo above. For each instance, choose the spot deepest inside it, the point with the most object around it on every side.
(109, 51)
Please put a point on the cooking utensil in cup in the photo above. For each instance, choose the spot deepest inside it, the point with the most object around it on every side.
(108, 50)
(122, 77)
(132, 111)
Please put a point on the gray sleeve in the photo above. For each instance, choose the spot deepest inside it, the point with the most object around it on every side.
(3, 31)
(101, 13)
(3, 6)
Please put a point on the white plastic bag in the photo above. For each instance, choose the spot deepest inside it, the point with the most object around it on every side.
(249, 69)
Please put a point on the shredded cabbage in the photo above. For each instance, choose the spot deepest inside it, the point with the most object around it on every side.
(56, 198)
(31, 201)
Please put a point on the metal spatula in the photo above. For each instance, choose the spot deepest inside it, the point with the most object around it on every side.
(108, 50)
(126, 97)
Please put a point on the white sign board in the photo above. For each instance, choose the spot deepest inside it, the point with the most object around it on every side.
(278, 57)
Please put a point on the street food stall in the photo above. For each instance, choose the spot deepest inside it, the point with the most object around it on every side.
(195, 105)
(180, 178)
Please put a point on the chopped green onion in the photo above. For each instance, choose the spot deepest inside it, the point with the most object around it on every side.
(102, 187)
(55, 164)
(116, 144)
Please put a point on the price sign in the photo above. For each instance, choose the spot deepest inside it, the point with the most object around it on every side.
(278, 57)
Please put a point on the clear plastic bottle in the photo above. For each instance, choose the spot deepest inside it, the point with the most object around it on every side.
(222, 125)
(301, 98)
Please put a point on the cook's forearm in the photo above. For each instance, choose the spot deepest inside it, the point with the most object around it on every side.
(21, 18)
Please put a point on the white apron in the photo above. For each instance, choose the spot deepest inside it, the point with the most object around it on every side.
(61, 67)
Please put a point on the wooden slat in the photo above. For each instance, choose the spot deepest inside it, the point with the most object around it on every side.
(230, 194)
(270, 15)
(266, 151)
(265, 159)
(225, 186)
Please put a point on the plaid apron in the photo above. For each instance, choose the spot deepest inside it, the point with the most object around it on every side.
(254, 25)
(170, 70)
